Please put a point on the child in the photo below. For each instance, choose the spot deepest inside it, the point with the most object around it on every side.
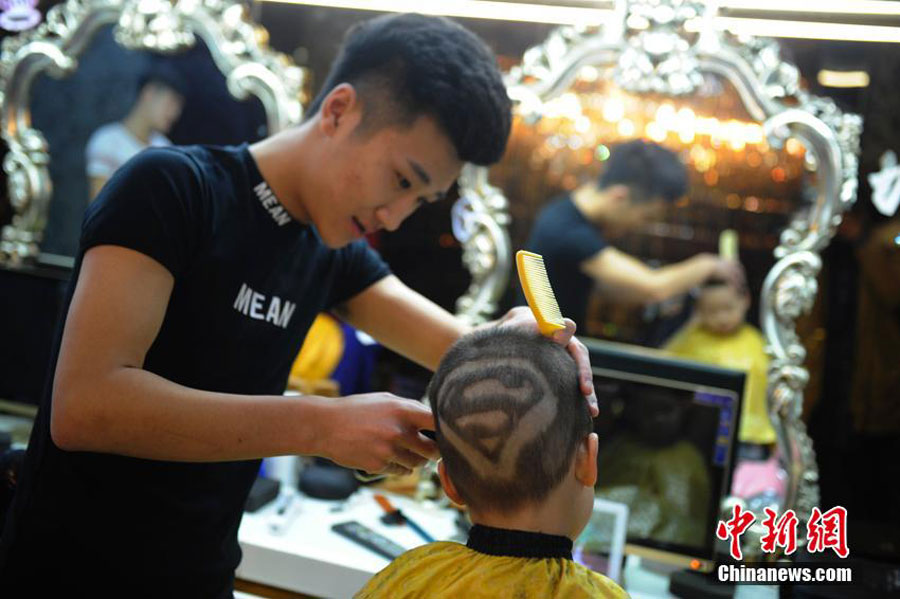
(718, 335)
(515, 436)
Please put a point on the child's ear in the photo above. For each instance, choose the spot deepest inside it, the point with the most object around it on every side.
(586, 461)
(745, 302)
(447, 484)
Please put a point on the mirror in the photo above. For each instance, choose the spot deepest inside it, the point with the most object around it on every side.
(103, 94)
(80, 70)
(736, 181)
(765, 158)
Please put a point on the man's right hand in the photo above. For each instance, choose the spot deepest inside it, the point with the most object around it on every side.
(378, 433)
(729, 270)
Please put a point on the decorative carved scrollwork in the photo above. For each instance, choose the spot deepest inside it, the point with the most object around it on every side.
(153, 25)
(660, 55)
(788, 292)
(480, 219)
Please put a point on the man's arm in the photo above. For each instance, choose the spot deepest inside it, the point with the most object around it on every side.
(404, 321)
(633, 280)
(100, 160)
(417, 328)
(95, 184)
(104, 401)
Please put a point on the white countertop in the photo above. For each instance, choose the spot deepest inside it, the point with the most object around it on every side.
(310, 558)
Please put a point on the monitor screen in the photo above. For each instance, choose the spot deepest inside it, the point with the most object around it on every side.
(667, 430)
(31, 303)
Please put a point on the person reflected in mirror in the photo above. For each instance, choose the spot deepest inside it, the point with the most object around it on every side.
(719, 334)
(518, 450)
(653, 466)
(199, 273)
(639, 180)
(161, 90)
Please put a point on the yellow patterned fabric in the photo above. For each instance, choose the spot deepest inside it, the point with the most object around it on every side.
(742, 350)
(452, 570)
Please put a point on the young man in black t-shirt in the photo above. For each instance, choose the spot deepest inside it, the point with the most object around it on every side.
(639, 179)
(200, 271)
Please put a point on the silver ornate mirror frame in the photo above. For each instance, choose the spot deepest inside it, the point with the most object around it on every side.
(237, 46)
(480, 222)
(665, 47)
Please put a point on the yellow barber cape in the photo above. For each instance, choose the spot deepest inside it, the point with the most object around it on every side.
(451, 570)
(742, 350)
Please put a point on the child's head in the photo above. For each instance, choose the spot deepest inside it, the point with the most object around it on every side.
(513, 427)
(722, 306)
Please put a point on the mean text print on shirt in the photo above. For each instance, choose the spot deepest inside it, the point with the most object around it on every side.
(259, 307)
(271, 204)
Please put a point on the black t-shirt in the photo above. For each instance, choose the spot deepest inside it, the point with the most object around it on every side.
(249, 280)
(565, 238)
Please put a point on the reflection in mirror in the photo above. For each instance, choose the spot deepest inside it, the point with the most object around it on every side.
(736, 181)
(104, 92)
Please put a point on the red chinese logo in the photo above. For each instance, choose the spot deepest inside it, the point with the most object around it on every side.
(734, 528)
(780, 532)
(828, 530)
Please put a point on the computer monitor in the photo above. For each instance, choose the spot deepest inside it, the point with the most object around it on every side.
(668, 430)
(31, 303)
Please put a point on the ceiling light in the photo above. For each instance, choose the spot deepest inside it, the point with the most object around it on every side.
(803, 29)
(828, 78)
(476, 9)
(583, 15)
(843, 7)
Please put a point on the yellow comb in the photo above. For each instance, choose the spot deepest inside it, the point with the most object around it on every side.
(538, 293)
(728, 244)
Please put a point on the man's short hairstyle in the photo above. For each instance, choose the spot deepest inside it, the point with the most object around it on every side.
(408, 65)
(165, 75)
(649, 170)
(509, 415)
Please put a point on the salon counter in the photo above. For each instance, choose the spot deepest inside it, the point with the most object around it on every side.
(308, 557)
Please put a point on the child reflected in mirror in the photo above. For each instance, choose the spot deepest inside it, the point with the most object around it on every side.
(719, 334)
